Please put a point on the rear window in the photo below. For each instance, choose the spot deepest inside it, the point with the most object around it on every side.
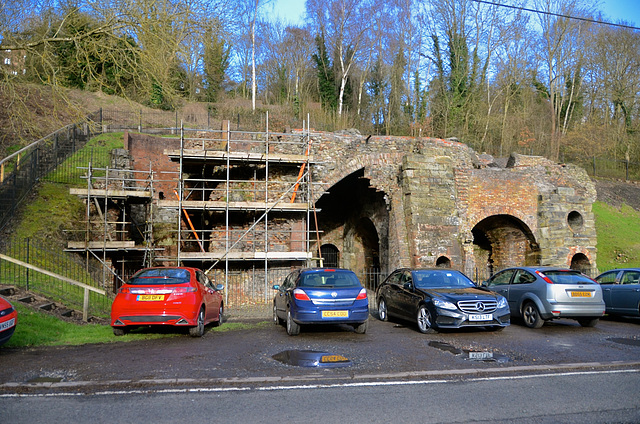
(329, 280)
(166, 276)
(568, 277)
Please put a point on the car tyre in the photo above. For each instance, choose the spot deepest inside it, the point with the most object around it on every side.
(198, 330)
(383, 315)
(588, 322)
(220, 316)
(424, 320)
(293, 329)
(120, 331)
(531, 315)
(361, 328)
(276, 318)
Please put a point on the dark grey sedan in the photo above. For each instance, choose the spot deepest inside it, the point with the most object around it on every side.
(621, 291)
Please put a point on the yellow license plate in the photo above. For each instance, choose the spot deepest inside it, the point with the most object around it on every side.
(150, 297)
(580, 294)
(333, 358)
(335, 314)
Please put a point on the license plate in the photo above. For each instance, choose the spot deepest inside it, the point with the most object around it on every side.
(335, 314)
(480, 355)
(7, 324)
(580, 294)
(149, 297)
(332, 358)
(481, 317)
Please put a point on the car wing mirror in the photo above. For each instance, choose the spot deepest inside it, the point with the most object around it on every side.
(408, 286)
(276, 287)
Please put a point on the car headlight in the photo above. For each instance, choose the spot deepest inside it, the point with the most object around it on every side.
(438, 303)
(502, 302)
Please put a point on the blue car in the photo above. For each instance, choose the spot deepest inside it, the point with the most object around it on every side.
(621, 291)
(321, 296)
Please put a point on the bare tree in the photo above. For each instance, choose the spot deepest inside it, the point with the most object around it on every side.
(346, 26)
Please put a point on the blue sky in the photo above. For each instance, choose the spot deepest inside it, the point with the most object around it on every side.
(629, 10)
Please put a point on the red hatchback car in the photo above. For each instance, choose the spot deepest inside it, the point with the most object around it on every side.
(8, 320)
(177, 296)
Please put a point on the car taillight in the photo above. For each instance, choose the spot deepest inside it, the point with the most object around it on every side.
(124, 290)
(544, 277)
(299, 294)
(362, 294)
(184, 290)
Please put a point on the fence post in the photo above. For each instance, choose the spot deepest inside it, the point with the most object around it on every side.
(594, 167)
(140, 121)
(27, 261)
(626, 169)
(85, 306)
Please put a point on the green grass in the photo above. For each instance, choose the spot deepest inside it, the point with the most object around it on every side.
(618, 232)
(97, 151)
(37, 328)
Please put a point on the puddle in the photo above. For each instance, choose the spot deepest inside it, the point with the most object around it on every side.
(630, 342)
(312, 358)
(472, 355)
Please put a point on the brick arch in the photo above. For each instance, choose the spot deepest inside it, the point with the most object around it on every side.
(502, 241)
(377, 168)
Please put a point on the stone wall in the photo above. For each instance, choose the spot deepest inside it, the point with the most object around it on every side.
(400, 201)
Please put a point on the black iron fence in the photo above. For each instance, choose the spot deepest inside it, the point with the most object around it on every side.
(55, 261)
(20, 171)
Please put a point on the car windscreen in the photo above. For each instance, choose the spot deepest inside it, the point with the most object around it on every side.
(167, 276)
(441, 279)
(329, 280)
(568, 277)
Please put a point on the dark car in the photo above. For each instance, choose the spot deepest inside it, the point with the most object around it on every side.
(8, 320)
(621, 291)
(539, 294)
(440, 298)
(321, 296)
(175, 296)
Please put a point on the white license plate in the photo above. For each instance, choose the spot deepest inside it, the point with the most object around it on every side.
(480, 355)
(7, 324)
(481, 317)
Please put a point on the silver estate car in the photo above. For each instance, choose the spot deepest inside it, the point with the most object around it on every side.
(539, 294)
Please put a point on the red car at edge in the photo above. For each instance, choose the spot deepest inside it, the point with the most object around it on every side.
(176, 296)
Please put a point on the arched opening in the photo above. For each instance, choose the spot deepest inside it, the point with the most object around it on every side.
(330, 256)
(443, 262)
(581, 263)
(353, 216)
(501, 241)
(575, 221)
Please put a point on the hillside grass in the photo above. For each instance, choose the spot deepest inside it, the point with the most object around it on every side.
(618, 231)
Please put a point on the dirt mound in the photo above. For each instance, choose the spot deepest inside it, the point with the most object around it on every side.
(616, 192)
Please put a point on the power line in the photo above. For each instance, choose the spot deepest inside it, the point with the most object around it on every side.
(556, 14)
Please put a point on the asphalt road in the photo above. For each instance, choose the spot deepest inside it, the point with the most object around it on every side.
(559, 373)
(583, 397)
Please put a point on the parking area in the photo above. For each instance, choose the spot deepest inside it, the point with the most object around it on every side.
(387, 347)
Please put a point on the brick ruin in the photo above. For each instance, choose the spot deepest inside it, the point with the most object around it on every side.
(387, 202)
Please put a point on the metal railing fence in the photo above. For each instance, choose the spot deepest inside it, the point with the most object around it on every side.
(20, 171)
(38, 253)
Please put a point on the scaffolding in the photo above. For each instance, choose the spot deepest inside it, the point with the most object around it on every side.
(242, 201)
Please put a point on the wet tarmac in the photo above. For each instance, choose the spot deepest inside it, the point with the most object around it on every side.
(264, 352)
